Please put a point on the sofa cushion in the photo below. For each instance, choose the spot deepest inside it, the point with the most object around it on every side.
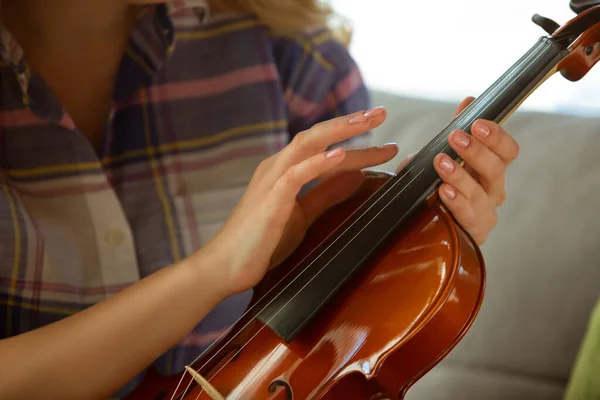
(457, 383)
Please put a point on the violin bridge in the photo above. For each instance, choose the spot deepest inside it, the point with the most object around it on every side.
(204, 384)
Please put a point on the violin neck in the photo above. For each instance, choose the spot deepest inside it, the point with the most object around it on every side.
(334, 264)
(418, 180)
(503, 97)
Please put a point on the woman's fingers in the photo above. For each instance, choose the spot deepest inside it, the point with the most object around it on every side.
(286, 188)
(465, 198)
(462, 210)
(365, 158)
(326, 134)
(497, 140)
(487, 165)
(456, 176)
(463, 104)
(316, 140)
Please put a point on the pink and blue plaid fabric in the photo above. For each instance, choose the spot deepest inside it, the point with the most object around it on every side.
(200, 100)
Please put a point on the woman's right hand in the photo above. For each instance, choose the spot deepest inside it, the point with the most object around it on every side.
(270, 221)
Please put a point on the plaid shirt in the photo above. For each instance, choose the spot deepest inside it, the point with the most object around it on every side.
(200, 100)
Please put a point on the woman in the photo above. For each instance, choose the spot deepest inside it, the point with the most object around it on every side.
(151, 159)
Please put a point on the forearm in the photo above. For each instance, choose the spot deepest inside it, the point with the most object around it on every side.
(95, 352)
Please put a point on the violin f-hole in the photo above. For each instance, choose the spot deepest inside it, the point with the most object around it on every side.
(289, 394)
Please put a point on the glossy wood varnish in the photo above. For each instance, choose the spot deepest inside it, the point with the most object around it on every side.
(395, 320)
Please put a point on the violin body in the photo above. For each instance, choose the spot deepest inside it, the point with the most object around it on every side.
(399, 316)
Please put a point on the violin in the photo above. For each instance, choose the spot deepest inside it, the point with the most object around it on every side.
(384, 285)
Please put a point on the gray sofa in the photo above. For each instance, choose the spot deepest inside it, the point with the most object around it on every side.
(543, 259)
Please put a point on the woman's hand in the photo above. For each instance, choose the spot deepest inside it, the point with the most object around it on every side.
(270, 221)
(473, 193)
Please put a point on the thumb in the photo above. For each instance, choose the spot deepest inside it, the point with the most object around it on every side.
(463, 104)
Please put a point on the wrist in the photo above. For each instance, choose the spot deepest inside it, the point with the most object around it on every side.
(211, 267)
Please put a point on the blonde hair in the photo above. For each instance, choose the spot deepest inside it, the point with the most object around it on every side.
(291, 17)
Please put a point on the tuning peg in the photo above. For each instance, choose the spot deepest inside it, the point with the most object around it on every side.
(545, 23)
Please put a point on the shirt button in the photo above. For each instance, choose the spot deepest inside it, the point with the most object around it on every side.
(114, 237)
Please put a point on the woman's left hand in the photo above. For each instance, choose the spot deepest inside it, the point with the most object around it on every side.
(473, 193)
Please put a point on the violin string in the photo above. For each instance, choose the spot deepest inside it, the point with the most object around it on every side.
(435, 142)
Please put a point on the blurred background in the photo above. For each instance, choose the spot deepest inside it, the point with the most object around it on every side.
(452, 49)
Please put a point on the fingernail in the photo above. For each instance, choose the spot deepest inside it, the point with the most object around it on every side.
(364, 117)
(482, 129)
(358, 119)
(446, 164)
(334, 153)
(388, 145)
(374, 112)
(449, 191)
(461, 139)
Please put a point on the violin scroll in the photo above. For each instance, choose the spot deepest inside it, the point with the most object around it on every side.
(581, 36)
(580, 6)
(585, 53)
